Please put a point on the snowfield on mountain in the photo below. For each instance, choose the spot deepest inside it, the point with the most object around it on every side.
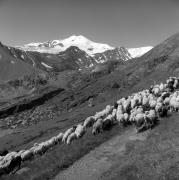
(90, 47)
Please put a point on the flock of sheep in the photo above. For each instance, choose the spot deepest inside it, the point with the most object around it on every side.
(141, 109)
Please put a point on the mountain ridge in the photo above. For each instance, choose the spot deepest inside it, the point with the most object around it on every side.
(90, 47)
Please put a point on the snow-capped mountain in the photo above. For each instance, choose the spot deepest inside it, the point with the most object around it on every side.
(75, 53)
(137, 52)
(90, 47)
(56, 46)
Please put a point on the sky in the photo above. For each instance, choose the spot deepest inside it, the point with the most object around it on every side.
(128, 23)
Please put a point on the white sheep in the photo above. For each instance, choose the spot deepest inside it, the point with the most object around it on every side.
(38, 149)
(145, 101)
(133, 103)
(67, 133)
(103, 113)
(97, 126)
(152, 115)
(160, 99)
(80, 130)
(109, 121)
(120, 118)
(162, 87)
(54, 140)
(48, 144)
(139, 119)
(89, 121)
(151, 118)
(126, 119)
(156, 91)
(152, 103)
(9, 157)
(158, 107)
(27, 155)
(71, 137)
(59, 137)
(20, 152)
(166, 101)
(114, 114)
(99, 114)
(176, 84)
(108, 109)
(120, 101)
(174, 104)
(119, 111)
(126, 105)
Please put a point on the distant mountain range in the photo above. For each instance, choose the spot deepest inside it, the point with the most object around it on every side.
(74, 53)
(90, 47)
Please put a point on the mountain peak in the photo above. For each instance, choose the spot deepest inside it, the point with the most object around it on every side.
(90, 47)
(56, 46)
(77, 37)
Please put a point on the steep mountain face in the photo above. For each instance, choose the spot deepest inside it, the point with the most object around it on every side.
(157, 64)
(12, 67)
(115, 54)
(81, 58)
(170, 48)
(72, 58)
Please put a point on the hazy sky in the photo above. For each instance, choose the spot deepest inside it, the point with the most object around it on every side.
(129, 23)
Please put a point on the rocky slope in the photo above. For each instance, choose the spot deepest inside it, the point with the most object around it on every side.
(12, 67)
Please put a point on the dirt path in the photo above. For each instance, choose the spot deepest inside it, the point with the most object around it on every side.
(100, 160)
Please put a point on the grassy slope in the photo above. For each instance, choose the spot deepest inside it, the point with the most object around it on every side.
(25, 138)
(156, 158)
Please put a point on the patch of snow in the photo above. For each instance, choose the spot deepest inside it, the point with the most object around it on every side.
(12, 62)
(46, 65)
(91, 65)
(33, 45)
(22, 56)
(33, 62)
(137, 52)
